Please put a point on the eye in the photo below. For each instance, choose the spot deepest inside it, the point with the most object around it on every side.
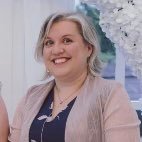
(48, 43)
(67, 41)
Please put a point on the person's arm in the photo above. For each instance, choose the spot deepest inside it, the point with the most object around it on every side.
(121, 123)
(4, 125)
(15, 126)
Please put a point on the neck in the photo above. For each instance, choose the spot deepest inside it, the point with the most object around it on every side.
(70, 85)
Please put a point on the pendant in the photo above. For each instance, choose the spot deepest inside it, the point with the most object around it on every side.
(61, 102)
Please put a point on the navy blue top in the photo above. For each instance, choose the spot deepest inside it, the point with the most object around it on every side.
(43, 129)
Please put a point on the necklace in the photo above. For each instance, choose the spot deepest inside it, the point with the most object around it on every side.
(61, 101)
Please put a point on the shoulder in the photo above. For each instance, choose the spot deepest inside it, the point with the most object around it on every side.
(104, 85)
(112, 93)
(113, 97)
(106, 90)
(38, 89)
(34, 93)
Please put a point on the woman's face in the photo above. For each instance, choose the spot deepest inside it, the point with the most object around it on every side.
(65, 53)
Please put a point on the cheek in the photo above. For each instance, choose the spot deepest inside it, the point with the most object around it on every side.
(80, 57)
(79, 52)
(46, 58)
(46, 54)
(83, 57)
(73, 49)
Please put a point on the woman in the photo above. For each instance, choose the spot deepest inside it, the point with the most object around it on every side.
(4, 127)
(77, 105)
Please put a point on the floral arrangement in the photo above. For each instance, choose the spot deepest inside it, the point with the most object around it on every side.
(121, 20)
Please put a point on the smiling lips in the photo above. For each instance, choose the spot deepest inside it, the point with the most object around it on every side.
(60, 60)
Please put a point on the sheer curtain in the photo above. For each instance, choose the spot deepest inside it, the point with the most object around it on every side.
(20, 22)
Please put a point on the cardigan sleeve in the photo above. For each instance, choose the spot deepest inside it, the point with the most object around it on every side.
(121, 123)
(15, 127)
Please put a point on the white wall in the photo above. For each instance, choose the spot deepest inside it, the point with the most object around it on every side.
(20, 22)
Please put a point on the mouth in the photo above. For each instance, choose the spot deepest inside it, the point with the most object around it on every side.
(60, 60)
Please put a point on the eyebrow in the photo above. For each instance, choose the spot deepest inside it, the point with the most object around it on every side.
(47, 37)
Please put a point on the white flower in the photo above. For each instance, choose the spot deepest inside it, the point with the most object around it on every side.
(121, 20)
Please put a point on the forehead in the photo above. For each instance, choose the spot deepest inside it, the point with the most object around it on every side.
(64, 27)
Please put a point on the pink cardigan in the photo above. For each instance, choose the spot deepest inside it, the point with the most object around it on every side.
(101, 113)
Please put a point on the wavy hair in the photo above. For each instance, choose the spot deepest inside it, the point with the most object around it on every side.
(87, 31)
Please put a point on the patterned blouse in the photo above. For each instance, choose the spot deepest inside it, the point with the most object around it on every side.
(46, 129)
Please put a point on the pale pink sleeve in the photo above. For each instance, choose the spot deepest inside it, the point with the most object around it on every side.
(121, 123)
(15, 127)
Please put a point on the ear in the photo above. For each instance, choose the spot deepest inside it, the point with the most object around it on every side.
(90, 49)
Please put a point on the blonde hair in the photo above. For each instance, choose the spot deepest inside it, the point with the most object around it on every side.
(87, 31)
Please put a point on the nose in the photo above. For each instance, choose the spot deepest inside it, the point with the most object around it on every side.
(57, 49)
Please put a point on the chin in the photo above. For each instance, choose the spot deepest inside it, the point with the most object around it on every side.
(60, 75)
